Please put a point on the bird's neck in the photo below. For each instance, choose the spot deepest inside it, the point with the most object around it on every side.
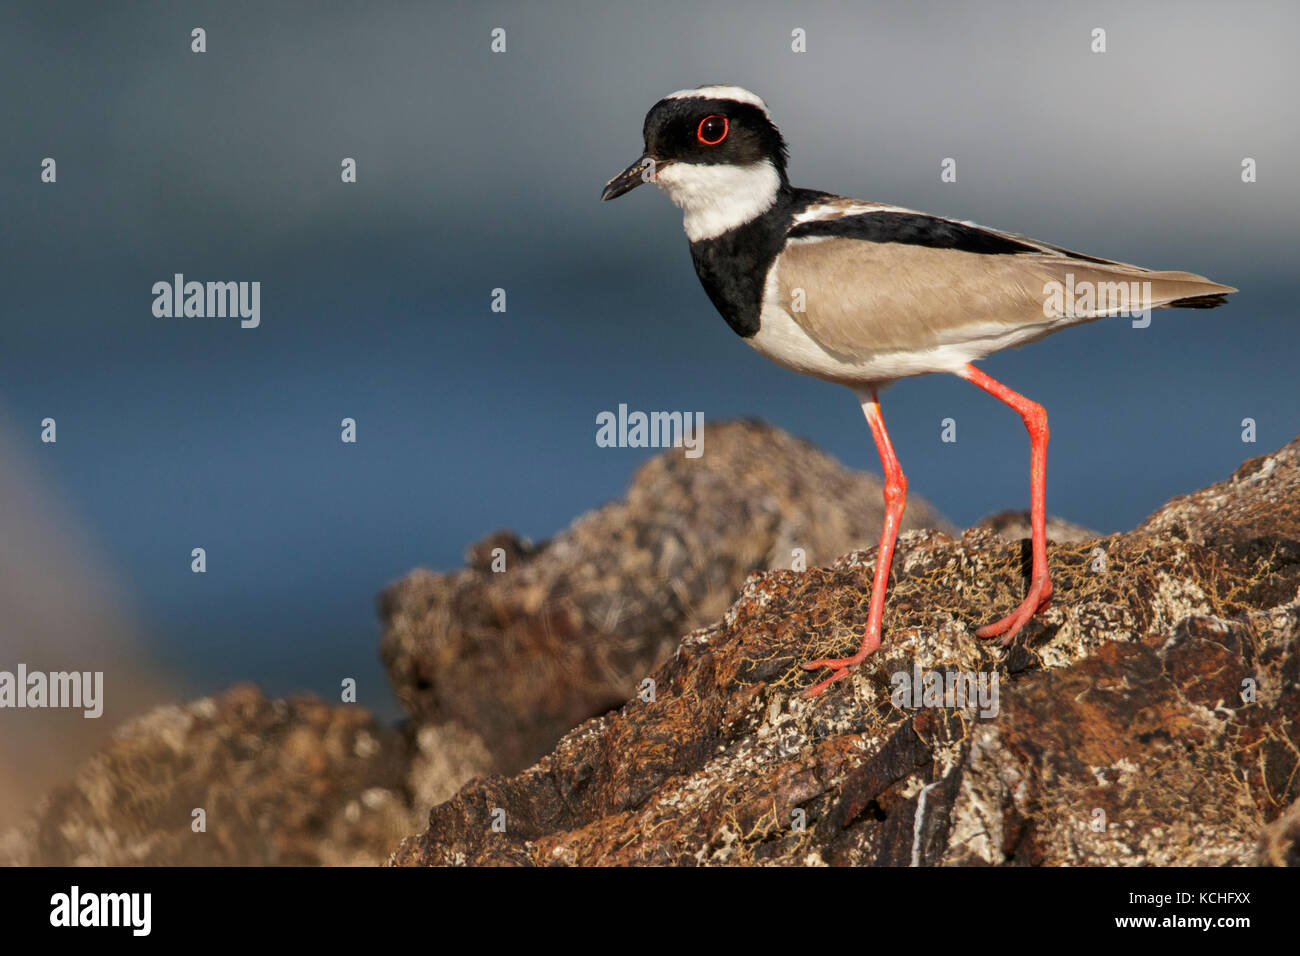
(733, 265)
(716, 199)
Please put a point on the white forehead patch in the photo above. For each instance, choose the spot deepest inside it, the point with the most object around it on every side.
(737, 93)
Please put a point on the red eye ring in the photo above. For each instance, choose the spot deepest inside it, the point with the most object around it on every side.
(699, 132)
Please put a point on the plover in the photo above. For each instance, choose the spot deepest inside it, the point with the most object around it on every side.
(864, 293)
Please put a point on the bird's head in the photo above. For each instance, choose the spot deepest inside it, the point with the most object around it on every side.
(717, 154)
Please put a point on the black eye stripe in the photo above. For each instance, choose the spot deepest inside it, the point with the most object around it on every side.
(672, 132)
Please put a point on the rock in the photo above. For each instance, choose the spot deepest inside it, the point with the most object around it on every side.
(573, 625)
(1279, 845)
(1261, 498)
(65, 608)
(1148, 717)
(446, 756)
(296, 782)
(1015, 526)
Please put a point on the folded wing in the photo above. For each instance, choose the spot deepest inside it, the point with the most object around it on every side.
(943, 282)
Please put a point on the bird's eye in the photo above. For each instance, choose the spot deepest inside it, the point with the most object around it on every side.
(712, 131)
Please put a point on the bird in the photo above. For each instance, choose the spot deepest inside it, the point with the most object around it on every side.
(863, 294)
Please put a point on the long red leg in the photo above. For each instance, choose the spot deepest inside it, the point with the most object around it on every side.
(895, 502)
(1040, 585)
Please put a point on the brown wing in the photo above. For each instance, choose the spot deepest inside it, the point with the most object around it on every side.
(859, 297)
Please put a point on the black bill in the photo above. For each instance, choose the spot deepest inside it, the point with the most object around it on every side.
(642, 171)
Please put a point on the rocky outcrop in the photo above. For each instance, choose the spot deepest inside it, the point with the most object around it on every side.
(238, 779)
(567, 629)
(1150, 716)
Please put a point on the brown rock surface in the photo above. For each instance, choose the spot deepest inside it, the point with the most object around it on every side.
(296, 782)
(1150, 716)
(572, 626)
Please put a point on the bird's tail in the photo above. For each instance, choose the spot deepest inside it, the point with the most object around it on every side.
(1212, 301)
(1139, 287)
(1185, 290)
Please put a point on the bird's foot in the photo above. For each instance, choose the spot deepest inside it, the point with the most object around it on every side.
(841, 666)
(1040, 595)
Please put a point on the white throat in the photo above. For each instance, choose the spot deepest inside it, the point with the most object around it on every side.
(718, 198)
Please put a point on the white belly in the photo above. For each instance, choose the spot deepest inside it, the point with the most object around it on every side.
(781, 339)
